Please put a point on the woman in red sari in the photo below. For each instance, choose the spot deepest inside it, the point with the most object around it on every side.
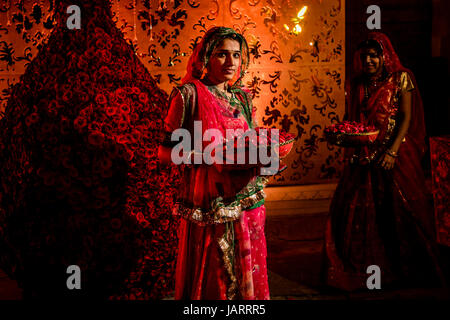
(222, 246)
(380, 214)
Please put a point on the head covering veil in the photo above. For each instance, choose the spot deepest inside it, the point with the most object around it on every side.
(202, 52)
(416, 132)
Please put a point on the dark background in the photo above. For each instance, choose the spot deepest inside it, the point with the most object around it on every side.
(419, 32)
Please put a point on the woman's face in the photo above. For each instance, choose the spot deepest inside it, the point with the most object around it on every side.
(372, 62)
(224, 61)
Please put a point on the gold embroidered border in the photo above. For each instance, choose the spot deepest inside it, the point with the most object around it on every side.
(226, 244)
(220, 213)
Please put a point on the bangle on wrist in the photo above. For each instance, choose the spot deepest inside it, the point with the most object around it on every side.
(392, 153)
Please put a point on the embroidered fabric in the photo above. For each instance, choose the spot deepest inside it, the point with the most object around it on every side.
(215, 258)
(380, 217)
(201, 104)
(399, 78)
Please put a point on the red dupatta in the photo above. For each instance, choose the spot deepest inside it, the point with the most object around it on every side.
(416, 132)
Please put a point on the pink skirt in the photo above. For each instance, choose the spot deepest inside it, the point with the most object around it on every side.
(201, 272)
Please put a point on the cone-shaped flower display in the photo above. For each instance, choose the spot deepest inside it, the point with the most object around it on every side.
(79, 176)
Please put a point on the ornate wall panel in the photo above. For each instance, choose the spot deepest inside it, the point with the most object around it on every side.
(297, 79)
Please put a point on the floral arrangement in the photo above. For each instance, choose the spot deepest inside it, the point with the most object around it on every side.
(350, 134)
(351, 127)
(440, 165)
(80, 182)
(262, 138)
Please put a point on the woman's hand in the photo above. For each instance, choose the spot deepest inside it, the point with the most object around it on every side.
(387, 161)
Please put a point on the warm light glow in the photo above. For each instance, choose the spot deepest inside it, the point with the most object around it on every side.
(311, 44)
(301, 13)
(297, 28)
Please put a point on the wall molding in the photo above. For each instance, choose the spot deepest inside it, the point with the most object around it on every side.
(302, 192)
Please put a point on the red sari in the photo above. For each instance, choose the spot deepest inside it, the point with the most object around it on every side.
(380, 217)
(222, 247)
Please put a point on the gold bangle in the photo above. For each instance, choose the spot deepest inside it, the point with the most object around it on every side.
(392, 153)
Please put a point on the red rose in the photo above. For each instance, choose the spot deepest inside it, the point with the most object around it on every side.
(165, 224)
(125, 108)
(148, 154)
(135, 90)
(122, 139)
(99, 32)
(83, 96)
(101, 99)
(122, 125)
(143, 97)
(53, 106)
(83, 77)
(144, 223)
(110, 111)
(96, 138)
(120, 93)
(105, 55)
(134, 117)
(105, 70)
(67, 96)
(32, 119)
(89, 53)
(82, 63)
(79, 123)
(140, 216)
(100, 43)
(128, 155)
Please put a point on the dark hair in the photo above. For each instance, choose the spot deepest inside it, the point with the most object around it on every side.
(203, 50)
(215, 37)
(232, 36)
(371, 44)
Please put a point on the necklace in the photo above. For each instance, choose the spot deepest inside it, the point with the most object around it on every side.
(223, 93)
(215, 89)
(376, 80)
(233, 103)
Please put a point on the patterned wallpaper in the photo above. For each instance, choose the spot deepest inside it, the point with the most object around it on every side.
(297, 79)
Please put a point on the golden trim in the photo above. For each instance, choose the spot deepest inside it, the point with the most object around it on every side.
(184, 111)
(358, 134)
(228, 256)
(172, 95)
(219, 212)
(286, 142)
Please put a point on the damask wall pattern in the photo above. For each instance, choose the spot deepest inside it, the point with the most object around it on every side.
(297, 78)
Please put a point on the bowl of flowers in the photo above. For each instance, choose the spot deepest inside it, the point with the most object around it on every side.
(286, 143)
(285, 140)
(261, 138)
(350, 134)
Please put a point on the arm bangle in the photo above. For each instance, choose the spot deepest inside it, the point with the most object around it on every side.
(392, 153)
